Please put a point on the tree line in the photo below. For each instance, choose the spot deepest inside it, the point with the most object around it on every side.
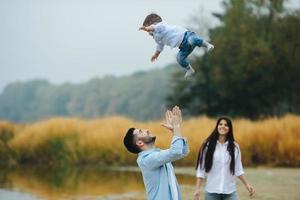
(254, 69)
(137, 96)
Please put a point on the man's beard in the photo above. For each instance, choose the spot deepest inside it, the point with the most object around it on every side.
(149, 140)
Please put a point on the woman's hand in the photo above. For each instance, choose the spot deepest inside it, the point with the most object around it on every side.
(250, 190)
(196, 195)
(247, 185)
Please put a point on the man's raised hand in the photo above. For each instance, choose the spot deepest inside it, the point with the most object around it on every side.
(173, 119)
(168, 120)
(176, 119)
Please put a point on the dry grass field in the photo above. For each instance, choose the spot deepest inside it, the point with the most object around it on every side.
(271, 142)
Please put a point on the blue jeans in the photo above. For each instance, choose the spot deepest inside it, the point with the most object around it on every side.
(188, 44)
(215, 196)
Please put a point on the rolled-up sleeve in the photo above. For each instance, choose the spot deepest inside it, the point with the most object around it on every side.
(160, 47)
(186, 149)
(238, 162)
(200, 170)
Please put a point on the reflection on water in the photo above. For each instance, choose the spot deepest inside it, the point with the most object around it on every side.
(31, 183)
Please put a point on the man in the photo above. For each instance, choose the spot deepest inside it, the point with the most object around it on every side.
(155, 164)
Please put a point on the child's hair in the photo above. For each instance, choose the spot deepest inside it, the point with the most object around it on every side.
(151, 19)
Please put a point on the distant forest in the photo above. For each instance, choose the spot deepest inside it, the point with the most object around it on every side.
(140, 96)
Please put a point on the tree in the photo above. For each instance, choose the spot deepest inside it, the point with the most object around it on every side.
(253, 71)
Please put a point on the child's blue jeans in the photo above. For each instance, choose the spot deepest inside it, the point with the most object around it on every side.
(189, 42)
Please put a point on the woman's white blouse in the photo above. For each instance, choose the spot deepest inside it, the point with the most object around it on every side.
(219, 178)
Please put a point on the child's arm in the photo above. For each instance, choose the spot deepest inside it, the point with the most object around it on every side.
(159, 48)
(147, 28)
(155, 56)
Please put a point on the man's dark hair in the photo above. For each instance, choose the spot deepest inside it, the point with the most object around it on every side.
(129, 142)
(151, 19)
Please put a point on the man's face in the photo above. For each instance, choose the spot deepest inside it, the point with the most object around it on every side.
(144, 135)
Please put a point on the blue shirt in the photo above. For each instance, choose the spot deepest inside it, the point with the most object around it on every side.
(157, 170)
(165, 34)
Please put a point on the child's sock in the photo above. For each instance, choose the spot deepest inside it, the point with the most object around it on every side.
(189, 72)
(207, 45)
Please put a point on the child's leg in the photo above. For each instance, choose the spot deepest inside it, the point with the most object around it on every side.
(196, 40)
(182, 58)
(184, 63)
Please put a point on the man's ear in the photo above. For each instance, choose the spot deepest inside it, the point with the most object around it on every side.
(140, 143)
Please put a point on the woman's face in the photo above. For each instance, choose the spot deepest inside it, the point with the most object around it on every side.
(223, 128)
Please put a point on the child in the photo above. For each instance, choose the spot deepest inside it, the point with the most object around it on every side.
(173, 36)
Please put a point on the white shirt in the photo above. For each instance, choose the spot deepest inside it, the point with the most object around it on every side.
(165, 34)
(219, 178)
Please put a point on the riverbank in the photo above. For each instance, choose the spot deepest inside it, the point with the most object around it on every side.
(125, 183)
(269, 183)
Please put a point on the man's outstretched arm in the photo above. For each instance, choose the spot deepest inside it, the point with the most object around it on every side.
(179, 147)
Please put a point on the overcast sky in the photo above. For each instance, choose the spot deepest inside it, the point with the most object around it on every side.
(76, 40)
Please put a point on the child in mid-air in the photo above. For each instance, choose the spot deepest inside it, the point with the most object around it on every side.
(173, 36)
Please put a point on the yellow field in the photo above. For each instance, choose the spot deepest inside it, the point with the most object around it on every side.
(273, 142)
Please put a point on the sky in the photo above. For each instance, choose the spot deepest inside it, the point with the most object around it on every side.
(76, 40)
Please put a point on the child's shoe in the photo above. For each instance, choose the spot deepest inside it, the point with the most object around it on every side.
(189, 72)
(210, 47)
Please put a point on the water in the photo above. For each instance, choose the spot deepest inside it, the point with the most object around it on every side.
(89, 183)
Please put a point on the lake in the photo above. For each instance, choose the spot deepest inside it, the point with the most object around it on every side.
(84, 183)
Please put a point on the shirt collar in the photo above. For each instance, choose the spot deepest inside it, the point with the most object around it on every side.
(146, 152)
(226, 143)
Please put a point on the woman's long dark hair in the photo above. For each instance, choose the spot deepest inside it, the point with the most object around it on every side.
(209, 146)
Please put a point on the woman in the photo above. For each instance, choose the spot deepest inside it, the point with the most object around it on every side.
(219, 160)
